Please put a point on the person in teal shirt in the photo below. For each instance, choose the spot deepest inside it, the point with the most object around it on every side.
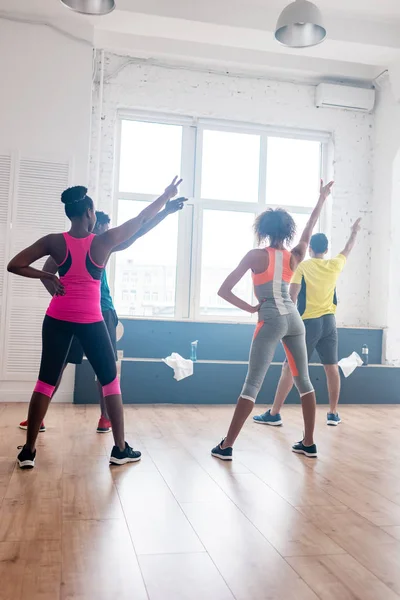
(75, 354)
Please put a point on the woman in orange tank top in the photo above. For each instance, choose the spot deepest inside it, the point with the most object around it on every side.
(278, 319)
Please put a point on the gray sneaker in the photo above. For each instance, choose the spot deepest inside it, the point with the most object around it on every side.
(332, 419)
(268, 419)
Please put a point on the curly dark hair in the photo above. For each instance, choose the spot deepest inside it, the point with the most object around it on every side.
(276, 225)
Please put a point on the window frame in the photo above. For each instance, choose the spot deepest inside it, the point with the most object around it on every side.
(190, 220)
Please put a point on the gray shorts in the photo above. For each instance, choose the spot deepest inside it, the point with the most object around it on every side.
(321, 335)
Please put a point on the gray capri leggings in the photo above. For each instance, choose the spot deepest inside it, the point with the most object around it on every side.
(290, 330)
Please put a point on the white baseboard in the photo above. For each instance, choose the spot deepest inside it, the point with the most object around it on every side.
(21, 391)
(21, 396)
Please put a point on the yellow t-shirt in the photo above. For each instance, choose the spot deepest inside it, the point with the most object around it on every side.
(318, 277)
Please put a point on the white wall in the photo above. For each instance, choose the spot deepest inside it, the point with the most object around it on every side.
(385, 240)
(191, 92)
(45, 109)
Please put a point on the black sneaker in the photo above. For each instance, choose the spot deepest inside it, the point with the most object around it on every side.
(223, 454)
(126, 456)
(310, 451)
(26, 458)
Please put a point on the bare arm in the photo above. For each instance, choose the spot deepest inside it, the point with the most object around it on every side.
(226, 288)
(118, 235)
(352, 239)
(294, 291)
(171, 207)
(50, 266)
(20, 264)
(300, 250)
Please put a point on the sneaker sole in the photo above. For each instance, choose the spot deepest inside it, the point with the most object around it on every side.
(25, 427)
(333, 423)
(123, 461)
(221, 457)
(275, 424)
(103, 430)
(305, 453)
(26, 464)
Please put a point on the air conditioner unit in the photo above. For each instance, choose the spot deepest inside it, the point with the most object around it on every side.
(329, 95)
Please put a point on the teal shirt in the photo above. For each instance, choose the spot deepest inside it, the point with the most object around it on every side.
(106, 300)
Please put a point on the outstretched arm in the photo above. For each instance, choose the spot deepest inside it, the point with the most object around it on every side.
(300, 250)
(352, 239)
(226, 288)
(21, 264)
(171, 207)
(106, 242)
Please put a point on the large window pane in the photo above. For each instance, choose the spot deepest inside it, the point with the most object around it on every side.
(293, 172)
(145, 275)
(227, 237)
(230, 166)
(150, 156)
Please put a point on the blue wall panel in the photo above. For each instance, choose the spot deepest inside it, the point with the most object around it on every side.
(222, 341)
(148, 383)
(219, 383)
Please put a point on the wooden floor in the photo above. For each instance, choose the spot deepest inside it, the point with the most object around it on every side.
(181, 525)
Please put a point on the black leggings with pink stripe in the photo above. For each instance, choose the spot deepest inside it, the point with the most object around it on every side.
(95, 340)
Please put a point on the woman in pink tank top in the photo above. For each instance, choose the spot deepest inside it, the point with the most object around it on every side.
(75, 310)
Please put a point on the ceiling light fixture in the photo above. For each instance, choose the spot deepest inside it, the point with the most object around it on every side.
(90, 7)
(300, 25)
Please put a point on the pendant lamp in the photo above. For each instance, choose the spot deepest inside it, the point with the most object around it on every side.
(90, 7)
(300, 25)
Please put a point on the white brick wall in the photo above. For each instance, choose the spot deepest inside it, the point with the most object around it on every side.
(191, 92)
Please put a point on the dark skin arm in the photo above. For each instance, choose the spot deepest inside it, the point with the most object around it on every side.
(50, 266)
(299, 252)
(249, 262)
(105, 243)
(20, 264)
(171, 207)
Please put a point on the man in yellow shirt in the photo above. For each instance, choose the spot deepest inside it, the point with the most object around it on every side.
(313, 287)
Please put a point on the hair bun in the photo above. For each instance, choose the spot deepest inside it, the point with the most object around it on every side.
(74, 194)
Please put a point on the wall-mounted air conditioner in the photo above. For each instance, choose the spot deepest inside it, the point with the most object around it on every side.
(329, 95)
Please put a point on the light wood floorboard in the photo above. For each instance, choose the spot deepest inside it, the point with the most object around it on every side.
(181, 525)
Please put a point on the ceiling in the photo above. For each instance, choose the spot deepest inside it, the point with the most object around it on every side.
(363, 35)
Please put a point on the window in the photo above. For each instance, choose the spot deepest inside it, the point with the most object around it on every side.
(227, 236)
(150, 262)
(293, 172)
(230, 166)
(150, 152)
(231, 174)
(301, 221)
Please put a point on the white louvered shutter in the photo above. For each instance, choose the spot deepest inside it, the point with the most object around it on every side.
(5, 195)
(37, 211)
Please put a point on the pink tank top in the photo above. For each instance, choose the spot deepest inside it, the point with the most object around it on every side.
(81, 278)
